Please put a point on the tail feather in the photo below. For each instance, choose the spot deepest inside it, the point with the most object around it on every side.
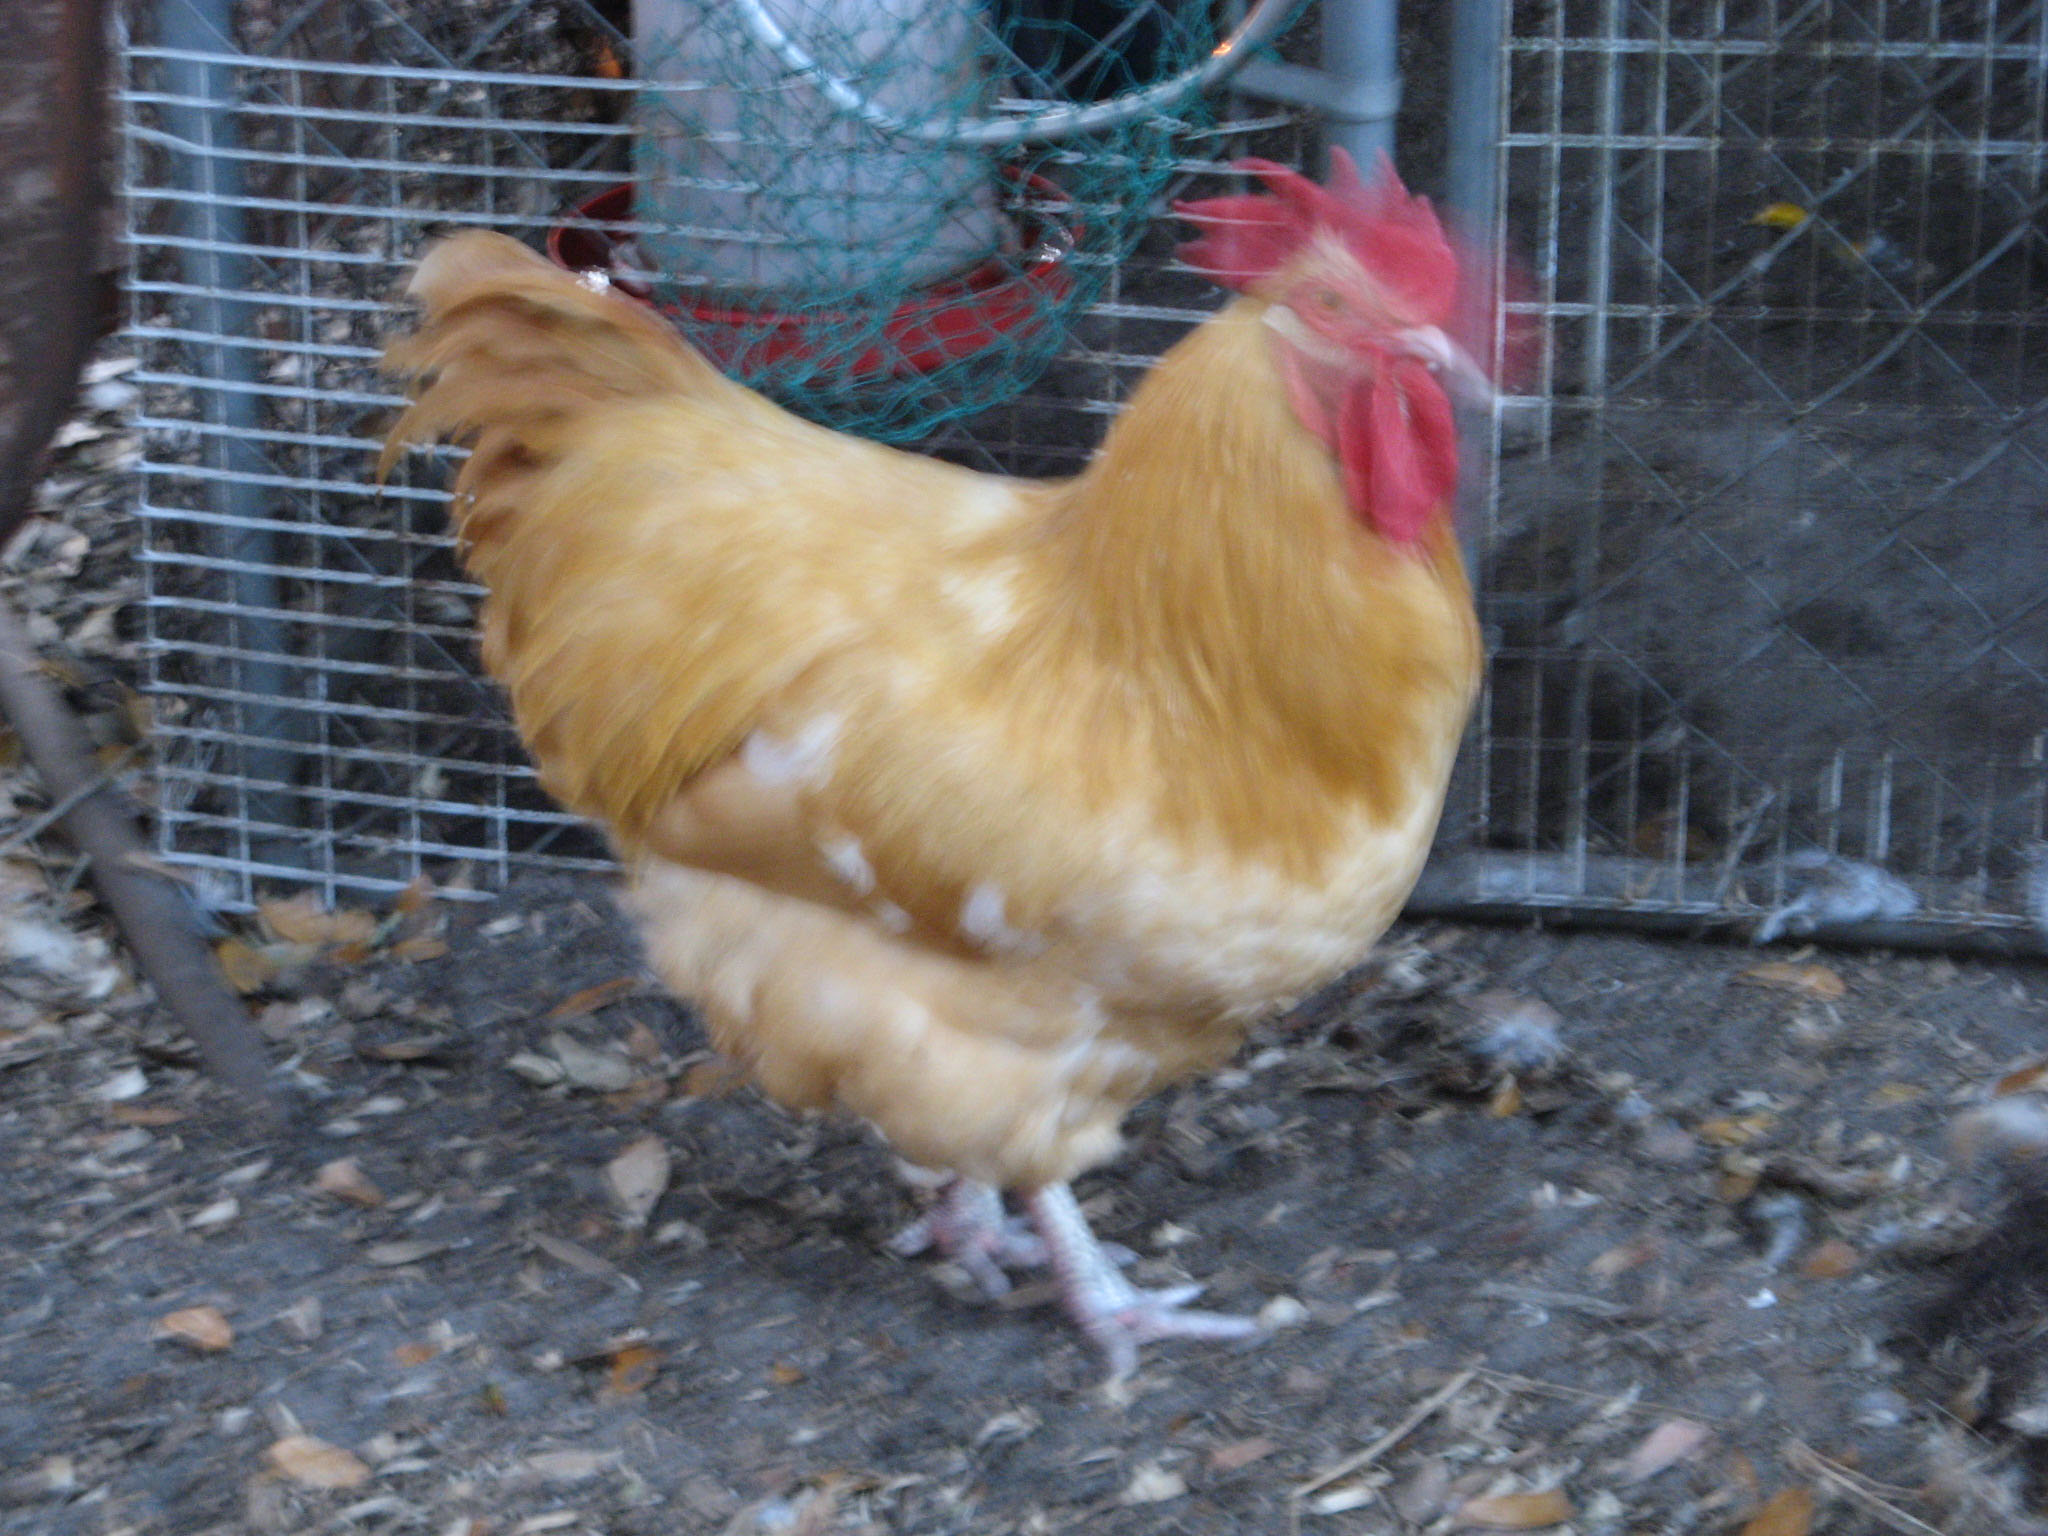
(511, 355)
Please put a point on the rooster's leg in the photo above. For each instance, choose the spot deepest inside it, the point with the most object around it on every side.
(1116, 1315)
(968, 1225)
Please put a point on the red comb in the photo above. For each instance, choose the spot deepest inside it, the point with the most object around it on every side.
(1394, 235)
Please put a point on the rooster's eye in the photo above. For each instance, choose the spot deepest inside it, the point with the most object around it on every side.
(1327, 300)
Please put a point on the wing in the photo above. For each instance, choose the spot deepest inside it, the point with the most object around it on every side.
(671, 581)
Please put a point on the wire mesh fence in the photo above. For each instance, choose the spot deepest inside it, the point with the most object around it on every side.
(1765, 580)
(1758, 562)
(321, 711)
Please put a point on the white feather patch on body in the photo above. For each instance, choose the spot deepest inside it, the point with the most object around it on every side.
(804, 758)
(987, 599)
(983, 919)
(847, 860)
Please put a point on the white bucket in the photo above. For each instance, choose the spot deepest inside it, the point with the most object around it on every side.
(756, 182)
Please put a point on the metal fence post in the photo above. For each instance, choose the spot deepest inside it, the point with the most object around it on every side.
(213, 262)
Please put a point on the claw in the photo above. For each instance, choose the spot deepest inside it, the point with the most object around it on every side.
(1117, 1316)
(968, 1225)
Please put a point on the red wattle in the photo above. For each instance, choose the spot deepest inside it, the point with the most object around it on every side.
(1397, 446)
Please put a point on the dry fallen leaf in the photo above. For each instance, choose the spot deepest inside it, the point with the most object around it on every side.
(420, 947)
(351, 927)
(404, 1251)
(633, 1369)
(1831, 1260)
(214, 1214)
(1619, 1260)
(1969, 1399)
(1734, 1188)
(636, 1178)
(1241, 1453)
(569, 1466)
(246, 968)
(1789, 976)
(1742, 1488)
(1736, 1130)
(414, 898)
(1789, 1513)
(1421, 1496)
(642, 1094)
(544, 1071)
(589, 1066)
(288, 1020)
(1516, 1511)
(304, 1319)
(345, 1181)
(200, 1328)
(2012, 1130)
(301, 919)
(1671, 1442)
(313, 1463)
(2021, 1080)
(562, 1251)
(412, 1048)
(590, 999)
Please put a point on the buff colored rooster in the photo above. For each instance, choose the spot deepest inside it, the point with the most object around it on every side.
(975, 806)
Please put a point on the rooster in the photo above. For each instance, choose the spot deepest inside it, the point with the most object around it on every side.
(975, 806)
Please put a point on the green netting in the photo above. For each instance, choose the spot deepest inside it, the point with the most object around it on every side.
(828, 237)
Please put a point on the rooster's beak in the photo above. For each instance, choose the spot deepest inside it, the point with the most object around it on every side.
(1462, 376)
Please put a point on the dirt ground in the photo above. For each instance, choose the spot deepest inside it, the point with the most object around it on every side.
(529, 1261)
(1672, 1275)
(1559, 1232)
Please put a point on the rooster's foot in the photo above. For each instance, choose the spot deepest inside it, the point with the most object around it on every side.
(968, 1225)
(1116, 1315)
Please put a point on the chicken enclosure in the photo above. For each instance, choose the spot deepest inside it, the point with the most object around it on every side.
(1757, 536)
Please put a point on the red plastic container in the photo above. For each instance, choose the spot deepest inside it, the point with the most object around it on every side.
(938, 324)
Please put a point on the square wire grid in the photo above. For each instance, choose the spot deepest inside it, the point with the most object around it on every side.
(321, 713)
(1764, 574)
(1760, 563)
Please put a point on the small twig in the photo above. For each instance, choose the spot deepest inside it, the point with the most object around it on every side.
(1583, 1394)
(1567, 1301)
(1410, 1422)
(113, 1218)
(1856, 1488)
(1738, 845)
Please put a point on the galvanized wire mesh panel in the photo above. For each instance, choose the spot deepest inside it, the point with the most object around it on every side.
(1760, 565)
(1766, 577)
(321, 712)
